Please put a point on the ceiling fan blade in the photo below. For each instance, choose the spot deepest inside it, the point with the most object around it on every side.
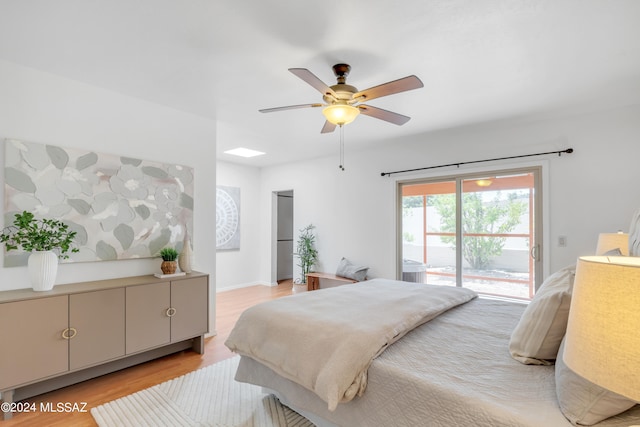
(328, 127)
(289, 107)
(387, 116)
(389, 88)
(314, 81)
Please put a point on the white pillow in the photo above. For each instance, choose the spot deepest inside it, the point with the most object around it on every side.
(634, 234)
(583, 402)
(536, 339)
(350, 271)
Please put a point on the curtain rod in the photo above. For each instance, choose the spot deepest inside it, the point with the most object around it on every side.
(559, 153)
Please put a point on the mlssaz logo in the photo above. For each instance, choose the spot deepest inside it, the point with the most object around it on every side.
(63, 406)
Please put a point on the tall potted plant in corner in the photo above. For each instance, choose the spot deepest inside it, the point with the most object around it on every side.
(307, 254)
(46, 239)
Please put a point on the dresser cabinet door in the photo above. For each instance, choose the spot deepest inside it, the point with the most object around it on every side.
(96, 320)
(148, 323)
(31, 337)
(189, 299)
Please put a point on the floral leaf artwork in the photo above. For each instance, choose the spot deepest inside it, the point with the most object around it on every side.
(121, 207)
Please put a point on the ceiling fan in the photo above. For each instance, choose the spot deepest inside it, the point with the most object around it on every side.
(343, 102)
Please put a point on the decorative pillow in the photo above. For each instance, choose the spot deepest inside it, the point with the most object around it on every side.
(583, 402)
(634, 234)
(350, 271)
(536, 339)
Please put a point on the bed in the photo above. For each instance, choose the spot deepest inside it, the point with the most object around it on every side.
(454, 368)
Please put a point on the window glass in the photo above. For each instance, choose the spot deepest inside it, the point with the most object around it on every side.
(493, 215)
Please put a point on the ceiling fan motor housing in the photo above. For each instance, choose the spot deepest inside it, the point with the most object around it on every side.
(342, 90)
(344, 94)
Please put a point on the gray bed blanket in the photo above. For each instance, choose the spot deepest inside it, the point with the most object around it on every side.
(325, 340)
(455, 370)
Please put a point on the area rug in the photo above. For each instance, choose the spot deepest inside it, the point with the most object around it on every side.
(206, 397)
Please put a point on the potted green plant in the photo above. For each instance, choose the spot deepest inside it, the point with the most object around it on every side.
(307, 254)
(47, 240)
(169, 263)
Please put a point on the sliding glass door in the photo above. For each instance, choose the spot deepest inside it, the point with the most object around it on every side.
(495, 216)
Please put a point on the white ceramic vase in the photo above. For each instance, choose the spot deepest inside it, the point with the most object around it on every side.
(185, 259)
(43, 268)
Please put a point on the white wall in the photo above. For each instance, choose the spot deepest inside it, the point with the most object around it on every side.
(239, 268)
(593, 190)
(44, 108)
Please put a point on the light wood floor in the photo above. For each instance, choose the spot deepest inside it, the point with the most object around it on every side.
(229, 305)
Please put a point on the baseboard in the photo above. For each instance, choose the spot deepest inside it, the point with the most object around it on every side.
(243, 285)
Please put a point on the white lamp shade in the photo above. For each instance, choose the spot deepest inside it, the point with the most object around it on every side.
(602, 343)
(340, 114)
(611, 241)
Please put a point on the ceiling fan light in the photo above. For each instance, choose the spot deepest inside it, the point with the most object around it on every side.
(340, 114)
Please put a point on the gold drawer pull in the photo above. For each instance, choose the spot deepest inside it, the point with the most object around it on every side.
(69, 333)
(171, 312)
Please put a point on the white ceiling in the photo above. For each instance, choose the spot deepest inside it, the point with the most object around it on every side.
(480, 60)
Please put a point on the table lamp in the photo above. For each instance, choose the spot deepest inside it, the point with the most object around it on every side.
(612, 241)
(602, 343)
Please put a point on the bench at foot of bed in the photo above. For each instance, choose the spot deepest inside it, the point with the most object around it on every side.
(313, 280)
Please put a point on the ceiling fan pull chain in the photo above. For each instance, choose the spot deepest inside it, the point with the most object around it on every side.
(341, 148)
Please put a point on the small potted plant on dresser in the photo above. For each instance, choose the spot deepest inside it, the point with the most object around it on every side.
(47, 240)
(307, 254)
(169, 263)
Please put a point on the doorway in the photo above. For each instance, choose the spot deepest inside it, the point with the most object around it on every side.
(497, 218)
(284, 235)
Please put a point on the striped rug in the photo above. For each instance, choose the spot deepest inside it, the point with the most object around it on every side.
(206, 397)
